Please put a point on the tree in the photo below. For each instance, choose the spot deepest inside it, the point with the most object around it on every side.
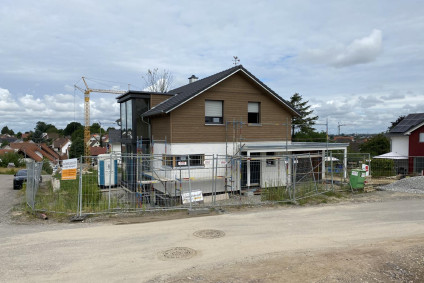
(77, 148)
(78, 134)
(306, 120)
(37, 136)
(96, 129)
(156, 81)
(4, 143)
(398, 120)
(19, 135)
(41, 126)
(377, 145)
(71, 128)
(6, 131)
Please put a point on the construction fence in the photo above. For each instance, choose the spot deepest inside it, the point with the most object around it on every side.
(117, 183)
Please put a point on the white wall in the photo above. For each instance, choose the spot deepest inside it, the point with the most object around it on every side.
(273, 175)
(400, 144)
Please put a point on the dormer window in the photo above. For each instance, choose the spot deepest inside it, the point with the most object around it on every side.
(213, 111)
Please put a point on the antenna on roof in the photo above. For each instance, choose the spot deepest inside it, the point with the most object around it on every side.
(236, 60)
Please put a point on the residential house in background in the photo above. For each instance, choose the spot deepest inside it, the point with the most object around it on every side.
(114, 141)
(407, 142)
(62, 146)
(36, 152)
(231, 112)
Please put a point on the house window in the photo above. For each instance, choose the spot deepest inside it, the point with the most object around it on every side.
(421, 137)
(129, 118)
(270, 162)
(213, 111)
(123, 120)
(253, 112)
(182, 160)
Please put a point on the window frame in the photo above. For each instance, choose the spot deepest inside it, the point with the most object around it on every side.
(258, 114)
(174, 160)
(421, 138)
(209, 120)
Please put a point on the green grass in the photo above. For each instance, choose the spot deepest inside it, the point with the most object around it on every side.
(65, 200)
(9, 171)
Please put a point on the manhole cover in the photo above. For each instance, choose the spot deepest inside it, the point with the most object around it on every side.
(209, 234)
(178, 253)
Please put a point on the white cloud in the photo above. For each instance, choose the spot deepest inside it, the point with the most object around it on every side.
(21, 113)
(360, 51)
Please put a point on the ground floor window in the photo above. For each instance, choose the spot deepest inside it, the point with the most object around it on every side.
(418, 164)
(182, 160)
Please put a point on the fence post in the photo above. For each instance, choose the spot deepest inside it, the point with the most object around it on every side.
(332, 170)
(216, 174)
(79, 208)
(110, 179)
(213, 173)
(189, 178)
(294, 178)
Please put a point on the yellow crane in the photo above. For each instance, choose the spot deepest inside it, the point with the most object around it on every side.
(87, 92)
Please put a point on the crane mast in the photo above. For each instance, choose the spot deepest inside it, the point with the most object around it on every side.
(87, 92)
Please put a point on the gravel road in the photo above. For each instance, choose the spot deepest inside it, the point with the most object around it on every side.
(331, 239)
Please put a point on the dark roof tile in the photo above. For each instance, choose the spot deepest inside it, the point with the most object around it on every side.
(408, 123)
(186, 92)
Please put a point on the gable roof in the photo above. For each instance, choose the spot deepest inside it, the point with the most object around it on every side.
(191, 90)
(408, 124)
(95, 151)
(60, 142)
(34, 151)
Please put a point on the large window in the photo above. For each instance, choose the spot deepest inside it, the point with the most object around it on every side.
(123, 120)
(182, 160)
(253, 111)
(213, 111)
(129, 118)
(421, 137)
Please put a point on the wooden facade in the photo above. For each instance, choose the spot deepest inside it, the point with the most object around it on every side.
(155, 99)
(186, 123)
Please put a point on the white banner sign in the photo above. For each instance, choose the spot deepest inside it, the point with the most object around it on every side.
(195, 196)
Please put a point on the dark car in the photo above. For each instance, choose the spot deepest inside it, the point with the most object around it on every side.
(20, 178)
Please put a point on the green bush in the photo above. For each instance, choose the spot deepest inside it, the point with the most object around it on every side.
(382, 167)
(46, 167)
(11, 157)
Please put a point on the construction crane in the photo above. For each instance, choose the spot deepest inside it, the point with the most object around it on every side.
(340, 125)
(87, 92)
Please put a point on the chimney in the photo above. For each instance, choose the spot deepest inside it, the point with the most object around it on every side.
(192, 79)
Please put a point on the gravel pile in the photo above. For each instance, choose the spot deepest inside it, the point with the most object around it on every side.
(408, 185)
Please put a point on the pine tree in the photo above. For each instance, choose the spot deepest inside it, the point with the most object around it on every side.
(306, 120)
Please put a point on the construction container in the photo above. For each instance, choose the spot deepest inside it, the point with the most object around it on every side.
(357, 178)
(107, 174)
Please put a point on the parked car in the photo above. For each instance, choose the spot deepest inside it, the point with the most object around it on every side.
(21, 177)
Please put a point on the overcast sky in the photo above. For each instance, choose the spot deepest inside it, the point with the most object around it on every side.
(359, 63)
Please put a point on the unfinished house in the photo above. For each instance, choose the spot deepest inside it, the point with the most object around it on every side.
(211, 123)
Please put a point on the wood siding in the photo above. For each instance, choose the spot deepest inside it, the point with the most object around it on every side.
(187, 123)
(161, 127)
(155, 99)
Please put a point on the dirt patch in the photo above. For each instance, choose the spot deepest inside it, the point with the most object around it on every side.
(386, 261)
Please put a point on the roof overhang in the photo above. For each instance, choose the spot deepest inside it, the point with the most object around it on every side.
(294, 146)
(414, 128)
(134, 94)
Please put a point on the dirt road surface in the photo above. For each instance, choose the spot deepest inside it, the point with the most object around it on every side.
(370, 242)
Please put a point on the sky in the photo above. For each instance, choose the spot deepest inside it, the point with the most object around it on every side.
(357, 63)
